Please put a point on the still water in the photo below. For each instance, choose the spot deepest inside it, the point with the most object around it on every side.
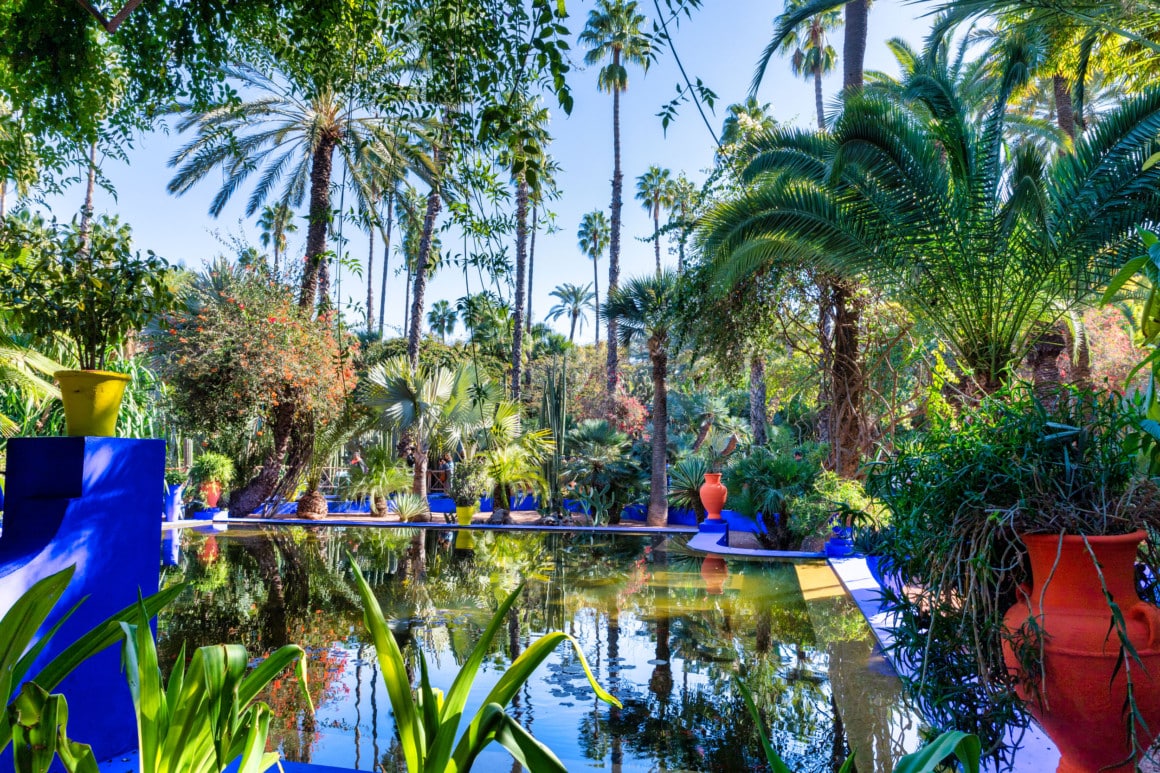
(666, 629)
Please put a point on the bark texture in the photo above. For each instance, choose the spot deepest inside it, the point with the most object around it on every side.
(386, 260)
(658, 497)
(521, 278)
(613, 365)
(321, 166)
(419, 283)
(1064, 109)
(757, 400)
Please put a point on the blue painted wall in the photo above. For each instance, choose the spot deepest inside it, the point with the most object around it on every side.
(96, 503)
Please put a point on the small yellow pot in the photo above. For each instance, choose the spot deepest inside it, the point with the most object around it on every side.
(92, 400)
(463, 514)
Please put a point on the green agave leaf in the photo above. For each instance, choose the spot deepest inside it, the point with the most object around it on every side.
(456, 698)
(20, 624)
(529, 752)
(964, 746)
(411, 736)
(771, 755)
(476, 738)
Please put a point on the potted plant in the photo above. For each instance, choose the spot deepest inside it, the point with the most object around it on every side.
(87, 283)
(1065, 629)
(469, 482)
(212, 472)
(175, 481)
(379, 476)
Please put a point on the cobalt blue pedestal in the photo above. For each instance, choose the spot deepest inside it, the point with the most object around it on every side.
(96, 503)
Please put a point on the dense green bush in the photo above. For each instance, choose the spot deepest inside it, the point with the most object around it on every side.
(771, 484)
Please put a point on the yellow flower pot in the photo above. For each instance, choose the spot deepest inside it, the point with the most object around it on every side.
(463, 514)
(92, 400)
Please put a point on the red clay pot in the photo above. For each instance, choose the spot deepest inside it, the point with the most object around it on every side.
(1082, 708)
(211, 492)
(713, 494)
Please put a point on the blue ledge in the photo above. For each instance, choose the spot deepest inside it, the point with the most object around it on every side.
(717, 542)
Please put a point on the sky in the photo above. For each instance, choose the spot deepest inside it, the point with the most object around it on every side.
(720, 45)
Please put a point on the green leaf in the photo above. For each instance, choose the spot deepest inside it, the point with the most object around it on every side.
(964, 746)
(527, 751)
(771, 755)
(1129, 271)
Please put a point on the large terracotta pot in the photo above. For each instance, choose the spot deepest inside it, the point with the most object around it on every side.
(1082, 707)
(92, 400)
(211, 492)
(713, 494)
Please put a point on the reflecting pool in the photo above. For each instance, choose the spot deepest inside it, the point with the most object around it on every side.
(666, 629)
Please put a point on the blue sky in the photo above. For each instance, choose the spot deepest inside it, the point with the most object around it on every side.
(720, 45)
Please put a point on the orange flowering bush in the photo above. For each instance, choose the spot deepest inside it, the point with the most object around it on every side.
(240, 350)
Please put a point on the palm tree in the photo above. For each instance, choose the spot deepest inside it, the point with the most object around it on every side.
(442, 319)
(644, 308)
(654, 190)
(276, 221)
(523, 155)
(290, 131)
(613, 33)
(811, 55)
(985, 244)
(421, 403)
(573, 300)
(593, 238)
(684, 195)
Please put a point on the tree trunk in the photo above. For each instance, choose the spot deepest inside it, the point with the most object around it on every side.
(418, 291)
(521, 277)
(386, 259)
(3, 198)
(757, 399)
(371, 282)
(818, 103)
(278, 237)
(657, 235)
(572, 331)
(1043, 359)
(87, 207)
(613, 368)
(1079, 348)
(854, 44)
(319, 217)
(596, 285)
(532, 263)
(846, 384)
(247, 499)
(1064, 109)
(658, 497)
(419, 480)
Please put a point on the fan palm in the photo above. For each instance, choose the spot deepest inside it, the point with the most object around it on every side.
(422, 403)
(573, 300)
(442, 319)
(613, 33)
(981, 243)
(654, 190)
(26, 371)
(290, 134)
(644, 308)
(593, 238)
(276, 221)
(808, 45)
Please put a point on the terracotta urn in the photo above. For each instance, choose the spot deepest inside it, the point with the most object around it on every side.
(714, 572)
(211, 492)
(713, 494)
(1083, 691)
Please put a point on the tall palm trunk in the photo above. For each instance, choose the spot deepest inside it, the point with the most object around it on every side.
(818, 103)
(658, 497)
(596, 285)
(521, 277)
(386, 259)
(277, 243)
(313, 277)
(844, 409)
(757, 399)
(572, 330)
(681, 242)
(419, 479)
(656, 213)
(371, 282)
(613, 369)
(1064, 109)
(406, 294)
(419, 289)
(532, 263)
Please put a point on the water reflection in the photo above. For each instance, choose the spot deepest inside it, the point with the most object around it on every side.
(664, 628)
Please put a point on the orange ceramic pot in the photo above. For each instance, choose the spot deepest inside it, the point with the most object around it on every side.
(714, 572)
(1082, 705)
(211, 492)
(713, 494)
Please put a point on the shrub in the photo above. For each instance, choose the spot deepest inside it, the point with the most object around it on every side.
(469, 482)
(212, 467)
